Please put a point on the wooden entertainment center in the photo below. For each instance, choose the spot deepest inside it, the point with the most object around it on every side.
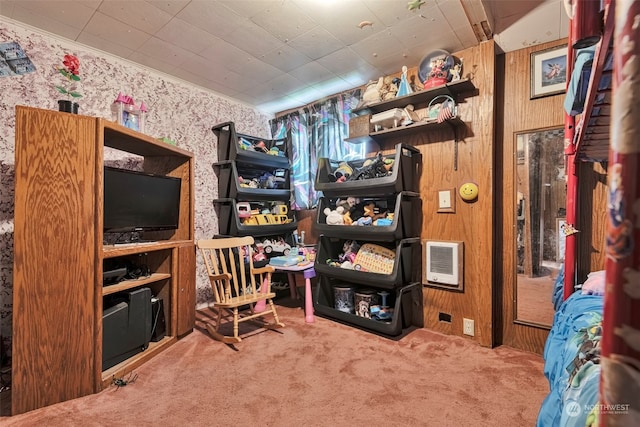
(59, 252)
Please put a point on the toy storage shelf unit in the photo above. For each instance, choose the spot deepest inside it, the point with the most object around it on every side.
(250, 149)
(362, 131)
(406, 302)
(230, 223)
(253, 179)
(406, 207)
(392, 265)
(404, 175)
(407, 254)
(271, 183)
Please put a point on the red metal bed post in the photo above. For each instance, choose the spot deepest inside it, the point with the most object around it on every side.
(620, 375)
(572, 183)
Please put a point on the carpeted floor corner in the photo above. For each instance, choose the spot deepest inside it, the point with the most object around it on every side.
(318, 374)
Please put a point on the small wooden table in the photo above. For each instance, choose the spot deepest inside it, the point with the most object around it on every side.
(308, 272)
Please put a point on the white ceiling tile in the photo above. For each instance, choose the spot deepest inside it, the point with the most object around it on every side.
(316, 43)
(138, 14)
(312, 73)
(284, 58)
(115, 31)
(284, 20)
(74, 14)
(330, 87)
(378, 45)
(172, 7)
(203, 67)
(249, 8)
(34, 19)
(342, 18)
(210, 16)
(153, 62)
(260, 72)
(284, 84)
(343, 61)
(418, 32)
(227, 54)
(6, 8)
(185, 35)
(203, 82)
(104, 45)
(252, 39)
(395, 12)
(234, 81)
(164, 51)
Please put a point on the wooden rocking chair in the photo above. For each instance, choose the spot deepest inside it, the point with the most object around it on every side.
(233, 282)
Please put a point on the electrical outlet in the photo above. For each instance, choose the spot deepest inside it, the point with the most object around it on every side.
(468, 327)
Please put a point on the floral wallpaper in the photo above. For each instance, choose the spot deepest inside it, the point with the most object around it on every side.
(177, 110)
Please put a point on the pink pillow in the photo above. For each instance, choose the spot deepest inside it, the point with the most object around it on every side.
(594, 285)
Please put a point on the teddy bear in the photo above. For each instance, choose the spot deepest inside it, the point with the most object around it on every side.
(334, 217)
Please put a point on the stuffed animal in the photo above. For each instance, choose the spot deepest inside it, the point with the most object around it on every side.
(349, 250)
(348, 203)
(347, 218)
(372, 93)
(334, 217)
(370, 211)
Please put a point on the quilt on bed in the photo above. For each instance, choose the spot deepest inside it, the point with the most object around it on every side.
(572, 361)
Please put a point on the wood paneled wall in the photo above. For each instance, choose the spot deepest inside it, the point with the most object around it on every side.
(519, 113)
(472, 223)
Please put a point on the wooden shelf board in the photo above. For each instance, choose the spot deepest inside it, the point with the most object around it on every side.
(125, 367)
(125, 139)
(130, 284)
(113, 251)
(421, 97)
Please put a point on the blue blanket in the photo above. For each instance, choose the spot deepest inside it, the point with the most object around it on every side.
(572, 362)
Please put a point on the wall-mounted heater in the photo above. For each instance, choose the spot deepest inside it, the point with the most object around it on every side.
(443, 262)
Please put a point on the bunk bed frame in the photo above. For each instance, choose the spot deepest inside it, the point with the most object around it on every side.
(598, 138)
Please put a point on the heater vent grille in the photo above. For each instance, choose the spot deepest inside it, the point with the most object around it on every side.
(443, 262)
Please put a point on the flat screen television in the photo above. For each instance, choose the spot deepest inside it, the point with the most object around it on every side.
(137, 201)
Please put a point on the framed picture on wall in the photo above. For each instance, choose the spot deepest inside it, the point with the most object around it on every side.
(549, 71)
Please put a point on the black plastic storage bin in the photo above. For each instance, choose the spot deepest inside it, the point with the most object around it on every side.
(229, 147)
(406, 301)
(406, 207)
(406, 267)
(229, 173)
(403, 176)
(230, 224)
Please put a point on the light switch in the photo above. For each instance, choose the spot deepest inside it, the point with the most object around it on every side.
(444, 199)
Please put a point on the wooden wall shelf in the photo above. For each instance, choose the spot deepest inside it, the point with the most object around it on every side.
(453, 89)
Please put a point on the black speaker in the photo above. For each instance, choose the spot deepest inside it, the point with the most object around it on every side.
(158, 327)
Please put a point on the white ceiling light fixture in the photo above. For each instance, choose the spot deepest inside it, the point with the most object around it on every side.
(480, 19)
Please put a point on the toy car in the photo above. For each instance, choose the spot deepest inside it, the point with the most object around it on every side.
(269, 246)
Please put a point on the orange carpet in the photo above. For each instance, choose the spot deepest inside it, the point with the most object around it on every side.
(319, 374)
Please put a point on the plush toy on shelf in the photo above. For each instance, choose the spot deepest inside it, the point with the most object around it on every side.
(334, 217)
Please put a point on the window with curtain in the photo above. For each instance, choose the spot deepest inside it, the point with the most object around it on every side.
(315, 131)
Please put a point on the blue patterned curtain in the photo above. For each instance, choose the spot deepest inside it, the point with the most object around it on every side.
(316, 131)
